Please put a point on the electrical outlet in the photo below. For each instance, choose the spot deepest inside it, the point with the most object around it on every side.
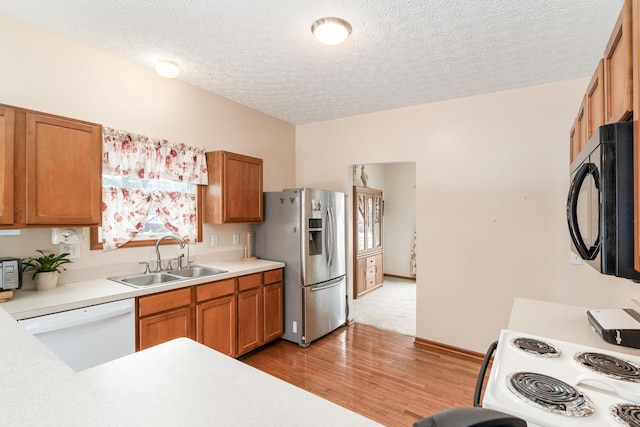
(214, 240)
(295, 327)
(73, 249)
(236, 238)
(575, 259)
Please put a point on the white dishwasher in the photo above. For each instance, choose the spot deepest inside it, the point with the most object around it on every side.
(89, 336)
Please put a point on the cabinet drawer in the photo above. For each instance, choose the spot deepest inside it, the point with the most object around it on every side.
(273, 276)
(370, 273)
(371, 261)
(249, 281)
(165, 301)
(215, 290)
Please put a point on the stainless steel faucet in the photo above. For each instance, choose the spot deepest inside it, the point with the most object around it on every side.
(158, 260)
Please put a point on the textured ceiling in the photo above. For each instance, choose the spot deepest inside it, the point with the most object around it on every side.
(261, 53)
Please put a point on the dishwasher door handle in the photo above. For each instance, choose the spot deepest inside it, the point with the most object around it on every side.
(81, 320)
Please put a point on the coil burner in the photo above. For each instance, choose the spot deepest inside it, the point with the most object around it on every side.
(626, 414)
(535, 347)
(550, 394)
(609, 366)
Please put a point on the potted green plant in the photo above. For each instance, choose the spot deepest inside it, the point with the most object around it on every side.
(45, 269)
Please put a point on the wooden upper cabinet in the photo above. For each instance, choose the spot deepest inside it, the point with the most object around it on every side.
(578, 134)
(63, 171)
(51, 170)
(7, 119)
(618, 69)
(234, 193)
(594, 107)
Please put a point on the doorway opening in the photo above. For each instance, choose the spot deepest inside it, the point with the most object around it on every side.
(389, 301)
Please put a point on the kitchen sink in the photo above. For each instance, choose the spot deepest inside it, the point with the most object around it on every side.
(143, 280)
(150, 279)
(197, 271)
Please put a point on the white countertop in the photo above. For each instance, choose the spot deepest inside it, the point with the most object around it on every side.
(38, 389)
(560, 321)
(179, 382)
(211, 389)
(32, 303)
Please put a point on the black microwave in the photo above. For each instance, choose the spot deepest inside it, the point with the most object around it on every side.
(600, 202)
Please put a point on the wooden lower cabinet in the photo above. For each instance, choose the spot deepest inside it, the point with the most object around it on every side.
(249, 320)
(216, 316)
(232, 316)
(164, 327)
(163, 317)
(260, 309)
(272, 309)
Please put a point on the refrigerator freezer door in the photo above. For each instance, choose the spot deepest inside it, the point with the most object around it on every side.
(323, 235)
(325, 308)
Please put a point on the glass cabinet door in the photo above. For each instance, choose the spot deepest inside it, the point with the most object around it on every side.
(369, 223)
(360, 222)
(377, 223)
(367, 216)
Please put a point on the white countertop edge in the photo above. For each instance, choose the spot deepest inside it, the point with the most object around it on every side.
(32, 303)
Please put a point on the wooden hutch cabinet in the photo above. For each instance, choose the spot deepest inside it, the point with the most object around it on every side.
(368, 210)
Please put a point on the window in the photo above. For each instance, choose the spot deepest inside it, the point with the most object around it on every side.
(149, 188)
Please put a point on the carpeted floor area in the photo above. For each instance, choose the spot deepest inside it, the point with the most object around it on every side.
(391, 307)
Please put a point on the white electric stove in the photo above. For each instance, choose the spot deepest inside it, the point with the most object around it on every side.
(553, 383)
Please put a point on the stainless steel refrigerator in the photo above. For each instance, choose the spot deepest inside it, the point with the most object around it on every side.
(305, 229)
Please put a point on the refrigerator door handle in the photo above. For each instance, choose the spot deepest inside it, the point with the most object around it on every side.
(329, 236)
(328, 285)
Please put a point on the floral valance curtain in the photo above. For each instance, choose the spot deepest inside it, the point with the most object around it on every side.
(131, 165)
(128, 154)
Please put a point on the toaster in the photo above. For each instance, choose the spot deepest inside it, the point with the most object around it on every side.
(619, 326)
(10, 273)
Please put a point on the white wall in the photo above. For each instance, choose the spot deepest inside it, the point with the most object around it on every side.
(399, 217)
(49, 73)
(492, 177)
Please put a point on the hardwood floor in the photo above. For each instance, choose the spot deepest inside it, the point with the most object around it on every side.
(373, 372)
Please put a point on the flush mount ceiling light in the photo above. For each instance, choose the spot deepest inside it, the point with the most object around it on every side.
(331, 31)
(168, 69)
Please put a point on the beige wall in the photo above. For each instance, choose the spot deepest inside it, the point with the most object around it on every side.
(48, 73)
(491, 184)
(399, 217)
(491, 174)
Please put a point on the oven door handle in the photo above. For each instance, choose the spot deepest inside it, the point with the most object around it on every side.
(481, 375)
